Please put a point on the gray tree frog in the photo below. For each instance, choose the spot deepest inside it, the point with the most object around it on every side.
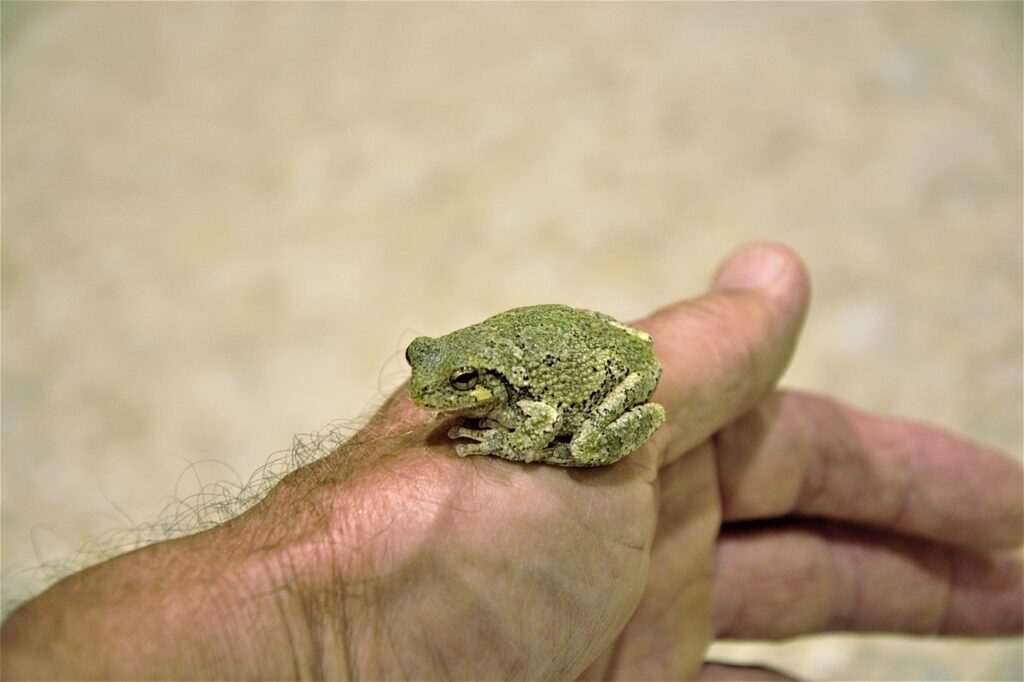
(545, 383)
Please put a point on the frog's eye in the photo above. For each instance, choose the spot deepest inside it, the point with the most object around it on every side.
(407, 358)
(464, 378)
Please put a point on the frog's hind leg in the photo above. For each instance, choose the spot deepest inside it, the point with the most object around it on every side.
(595, 446)
(634, 389)
(527, 456)
(620, 423)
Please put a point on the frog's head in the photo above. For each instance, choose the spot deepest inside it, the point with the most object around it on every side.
(449, 375)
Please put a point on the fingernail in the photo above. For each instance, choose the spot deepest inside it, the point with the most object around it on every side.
(752, 267)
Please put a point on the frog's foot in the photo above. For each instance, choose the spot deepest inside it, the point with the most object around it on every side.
(595, 446)
(489, 441)
(494, 442)
(631, 391)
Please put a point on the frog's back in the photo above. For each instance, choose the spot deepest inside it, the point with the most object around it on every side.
(571, 358)
(555, 327)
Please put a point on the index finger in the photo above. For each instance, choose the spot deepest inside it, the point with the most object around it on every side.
(804, 455)
(724, 351)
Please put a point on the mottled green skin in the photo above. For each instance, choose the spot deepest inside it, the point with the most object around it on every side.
(552, 384)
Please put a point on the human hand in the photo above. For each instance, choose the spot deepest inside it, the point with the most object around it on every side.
(751, 513)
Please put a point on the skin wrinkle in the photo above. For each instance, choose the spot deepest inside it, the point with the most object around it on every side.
(401, 593)
(796, 568)
(605, 666)
(614, 662)
(696, 649)
(338, 603)
(664, 614)
(763, 430)
(904, 497)
(665, 606)
(904, 488)
(935, 559)
(631, 546)
(482, 615)
(719, 447)
(920, 463)
(764, 359)
(747, 379)
(932, 560)
(969, 574)
(846, 585)
(739, 613)
(579, 666)
(644, 644)
(708, 321)
(669, 443)
(815, 471)
(948, 586)
(598, 533)
(395, 656)
(281, 608)
(437, 656)
(725, 623)
(432, 512)
(754, 371)
(316, 632)
(365, 658)
(845, 449)
(311, 640)
(880, 582)
(721, 625)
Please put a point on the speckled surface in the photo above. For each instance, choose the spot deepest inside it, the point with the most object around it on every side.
(222, 223)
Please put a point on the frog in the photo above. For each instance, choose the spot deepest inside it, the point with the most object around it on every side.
(548, 384)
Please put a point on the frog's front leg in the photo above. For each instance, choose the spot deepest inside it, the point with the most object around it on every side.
(523, 443)
(620, 424)
(504, 418)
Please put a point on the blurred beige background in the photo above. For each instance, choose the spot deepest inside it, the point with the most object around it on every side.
(222, 223)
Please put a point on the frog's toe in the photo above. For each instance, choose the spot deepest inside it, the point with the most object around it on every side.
(464, 450)
(463, 432)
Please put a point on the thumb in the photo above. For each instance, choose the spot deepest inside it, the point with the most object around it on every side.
(725, 350)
